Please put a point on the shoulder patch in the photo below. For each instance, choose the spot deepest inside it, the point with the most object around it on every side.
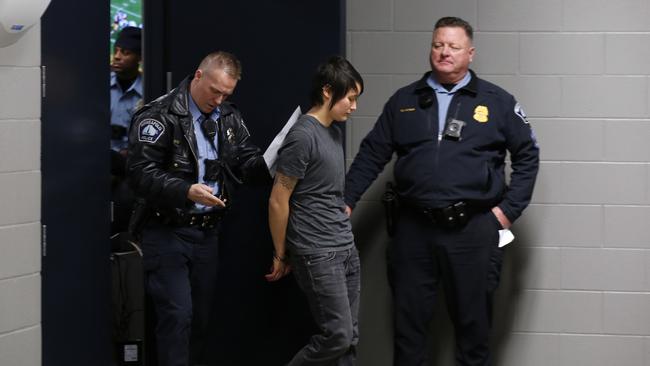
(519, 111)
(150, 130)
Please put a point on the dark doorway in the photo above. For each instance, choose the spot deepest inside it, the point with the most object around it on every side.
(75, 184)
(279, 43)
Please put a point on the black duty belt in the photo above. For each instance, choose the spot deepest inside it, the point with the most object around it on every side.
(207, 220)
(453, 216)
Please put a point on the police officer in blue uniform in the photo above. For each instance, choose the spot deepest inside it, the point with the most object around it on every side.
(126, 85)
(451, 131)
(187, 151)
(126, 98)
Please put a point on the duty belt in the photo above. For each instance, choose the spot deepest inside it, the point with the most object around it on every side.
(454, 216)
(207, 220)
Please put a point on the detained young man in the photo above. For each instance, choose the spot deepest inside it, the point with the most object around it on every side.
(310, 227)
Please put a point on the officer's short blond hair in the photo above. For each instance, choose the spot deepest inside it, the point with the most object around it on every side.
(222, 60)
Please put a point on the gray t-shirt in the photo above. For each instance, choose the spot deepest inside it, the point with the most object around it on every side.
(313, 153)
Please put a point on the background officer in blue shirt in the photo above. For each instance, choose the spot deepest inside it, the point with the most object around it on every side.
(126, 85)
(187, 151)
(451, 131)
(126, 98)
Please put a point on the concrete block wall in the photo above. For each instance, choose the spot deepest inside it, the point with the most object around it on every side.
(576, 282)
(20, 201)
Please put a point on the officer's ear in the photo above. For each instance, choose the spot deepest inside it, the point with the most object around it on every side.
(197, 74)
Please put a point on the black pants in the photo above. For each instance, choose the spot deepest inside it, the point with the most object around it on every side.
(422, 256)
(180, 276)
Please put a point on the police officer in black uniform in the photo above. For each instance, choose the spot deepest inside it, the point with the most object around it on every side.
(187, 151)
(450, 131)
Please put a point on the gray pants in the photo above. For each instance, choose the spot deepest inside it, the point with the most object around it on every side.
(332, 283)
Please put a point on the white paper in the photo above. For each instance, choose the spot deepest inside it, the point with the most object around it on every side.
(271, 153)
(505, 237)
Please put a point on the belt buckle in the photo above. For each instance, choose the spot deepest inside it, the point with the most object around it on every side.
(460, 209)
(206, 221)
(449, 216)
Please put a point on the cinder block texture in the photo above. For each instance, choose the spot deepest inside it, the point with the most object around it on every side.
(593, 350)
(591, 183)
(367, 15)
(603, 269)
(21, 348)
(540, 96)
(20, 95)
(376, 91)
(537, 268)
(605, 15)
(519, 15)
(530, 349)
(581, 54)
(360, 128)
(630, 146)
(22, 194)
(593, 97)
(559, 311)
(626, 313)
(561, 226)
(391, 53)
(496, 53)
(559, 139)
(20, 245)
(20, 301)
(20, 146)
(627, 54)
(421, 15)
(627, 227)
(375, 315)
(20, 201)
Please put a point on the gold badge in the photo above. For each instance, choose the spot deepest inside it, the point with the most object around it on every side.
(481, 113)
(407, 109)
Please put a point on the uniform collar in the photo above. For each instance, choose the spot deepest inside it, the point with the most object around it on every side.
(136, 86)
(471, 87)
(196, 112)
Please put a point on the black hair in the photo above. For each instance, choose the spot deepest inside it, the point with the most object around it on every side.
(455, 22)
(339, 75)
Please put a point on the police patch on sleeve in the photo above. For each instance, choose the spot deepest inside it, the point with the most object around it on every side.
(519, 110)
(150, 130)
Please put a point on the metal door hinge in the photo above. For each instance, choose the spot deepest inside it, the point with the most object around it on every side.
(43, 81)
(44, 240)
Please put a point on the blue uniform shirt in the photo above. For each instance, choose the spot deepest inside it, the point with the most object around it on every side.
(444, 98)
(123, 106)
(206, 151)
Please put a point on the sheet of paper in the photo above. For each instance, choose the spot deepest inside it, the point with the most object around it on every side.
(505, 237)
(271, 153)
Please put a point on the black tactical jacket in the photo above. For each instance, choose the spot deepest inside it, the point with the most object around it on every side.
(162, 160)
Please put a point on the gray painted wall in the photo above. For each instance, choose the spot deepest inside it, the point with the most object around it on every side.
(576, 283)
(20, 199)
